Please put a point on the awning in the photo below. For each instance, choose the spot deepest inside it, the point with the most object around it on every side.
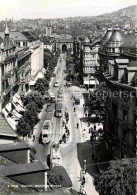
(39, 76)
(43, 70)
(17, 100)
(19, 108)
(16, 114)
(9, 107)
(5, 112)
(32, 83)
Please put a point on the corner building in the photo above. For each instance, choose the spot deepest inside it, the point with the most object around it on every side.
(118, 69)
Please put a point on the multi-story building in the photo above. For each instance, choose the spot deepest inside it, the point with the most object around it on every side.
(19, 66)
(89, 61)
(36, 47)
(49, 43)
(118, 67)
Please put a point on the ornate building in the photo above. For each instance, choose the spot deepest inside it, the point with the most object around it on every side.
(19, 66)
(118, 68)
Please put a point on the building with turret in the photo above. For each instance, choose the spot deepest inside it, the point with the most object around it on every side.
(118, 70)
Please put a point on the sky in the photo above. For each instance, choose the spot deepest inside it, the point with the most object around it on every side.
(59, 8)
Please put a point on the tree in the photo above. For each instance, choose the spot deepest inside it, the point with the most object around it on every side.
(23, 128)
(119, 179)
(41, 85)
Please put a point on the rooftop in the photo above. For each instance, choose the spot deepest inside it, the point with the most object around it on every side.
(122, 61)
(17, 169)
(13, 146)
(16, 36)
(5, 128)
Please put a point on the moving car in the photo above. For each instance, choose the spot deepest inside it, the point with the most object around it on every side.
(55, 157)
(56, 84)
(52, 98)
(46, 133)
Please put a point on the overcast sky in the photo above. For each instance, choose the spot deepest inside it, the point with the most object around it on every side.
(59, 8)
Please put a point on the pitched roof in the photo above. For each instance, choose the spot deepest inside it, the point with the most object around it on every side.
(5, 128)
(116, 36)
(60, 191)
(108, 34)
(129, 41)
(86, 40)
(30, 36)
(18, 169)
(13, 146)
(132, 64)
(15, 36)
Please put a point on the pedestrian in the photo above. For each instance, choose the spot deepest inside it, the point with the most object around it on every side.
(63, 123)
(83, 180)
(33, 138)
(85, 114)
(89, 130)
(94, 127)
(74, 109)
(77, 125)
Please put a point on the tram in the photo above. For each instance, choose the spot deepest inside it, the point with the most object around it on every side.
(58, 109)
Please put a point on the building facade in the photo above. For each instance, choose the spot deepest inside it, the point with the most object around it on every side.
(63, 44)
(19, 66)
(118, 69)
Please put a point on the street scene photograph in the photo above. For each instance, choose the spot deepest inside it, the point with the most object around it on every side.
(68, 97)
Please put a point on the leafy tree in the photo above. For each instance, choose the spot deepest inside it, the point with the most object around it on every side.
(119, 179)
(34, 97)
(41, 85)
(23, 128)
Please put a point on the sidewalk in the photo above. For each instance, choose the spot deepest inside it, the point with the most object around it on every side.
(75, 138)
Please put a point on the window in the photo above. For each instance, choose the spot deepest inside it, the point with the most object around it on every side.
(135, 119)
(21, 87)
(125, 115)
